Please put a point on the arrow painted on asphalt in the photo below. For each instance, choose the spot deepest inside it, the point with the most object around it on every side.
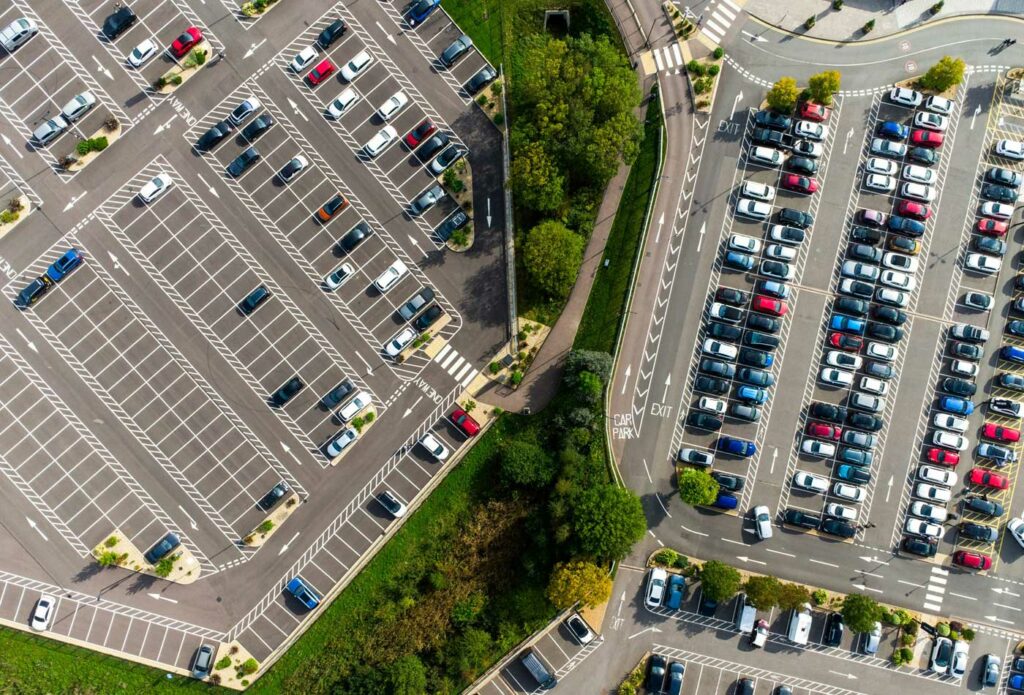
(622, 602)
(848, 676)
(409, 409)
(295, 108)
(7, 141)
(117, 265)
(974, 116)
(998, 620)
(191, 521)
(735, 103)
(646, 629)
(74, 199)
(252, 48)
(35, 526)
(285, 546)
(31, 345)
(165, 125)
(668, 380)
(744, 558)
(390, 37)
(488, 213)
(775, 455)
(846, 143)
(625, 378)
(211, 189)
(100, 68)
(867, 588)
(661, 222)
(754, 37)
(1000, 590)
(288, 450)
(158, 597)
(888, 489)
(874, 559)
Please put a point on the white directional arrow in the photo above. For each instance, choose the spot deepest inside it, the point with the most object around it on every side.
(775, 455)
(848, 676)
(288, 450)
(74, 199)
(117, 264)
(625, 378)
(646, 629)
(754, 37)
(390, 37)
(1000, 590)
(661, 222)
(622, 602)
(735, 104)
(867, 588)
(703, 228)
(100, 68)
(211, 189)
(36, 528)
(744, 558)
(158, 597)
(846, 143)
(165, 125)
(416, 243)
(7, 141)
(31, 345)
(191, 521)
(488, 212)
(873, 559)
(998, 620)
(888, 488)
(409, 409)
(252, 48)
(285, 546)
(668, 380)
(295, 108)
(974, 116)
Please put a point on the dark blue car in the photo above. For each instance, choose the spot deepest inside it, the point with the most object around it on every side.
(1012, 353)
(893, 130)
(303, 592)
(905, 226)
(725, 501)
(420, 10)
(71, 259)
(737, 447)
(164, 547)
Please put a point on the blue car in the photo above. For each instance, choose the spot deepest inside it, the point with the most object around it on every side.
(725, 501)
(737, 447)
(303, 592)
(853, 474)
(847, 324)
(750, 394)
(893, 130)
(905, 226)
(738, 261)
(1012, 353)
(164, 547)
(1016, 681)
(957, 406)
(676, 591)
(71, 259)
(420, 10)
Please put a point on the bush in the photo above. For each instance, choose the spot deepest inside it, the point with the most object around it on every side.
(223, 663)
(719, 52)
(84, 147)
(552, 256)
(579, 361)
(809, 23)
(110, 542)
(968, 634)
(666, 556)
(912, 627)
(693, 66)
(160, 83)
(719, 581)
(942, 629)
(793, 596)
(525, 464)
(15, 205)
(460, 237)
(944, 74)
(783, 94)
(7, 217)
(819, 596)
(907, 640)
(822, 86)
(713, 70)
(837, 5)
(606, 521)
(697, 487)
(868, 26)
(249, 667)
(499, 118)
(578, 582)
(482, 100)
(108, 558)
(860, 612)
(265, 527)
(703, 85)
(516, 378)
(165, 566)
(494, 367)
(176, 80)
(937, 7)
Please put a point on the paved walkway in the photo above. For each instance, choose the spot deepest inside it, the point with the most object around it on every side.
(891, 16)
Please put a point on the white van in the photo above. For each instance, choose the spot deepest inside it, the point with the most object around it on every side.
(745, 614)
(800, 625)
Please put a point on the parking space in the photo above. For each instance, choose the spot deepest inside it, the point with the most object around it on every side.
(325, 238)
(46, 93)
(763, 246)
(193, 434)
(399, 160)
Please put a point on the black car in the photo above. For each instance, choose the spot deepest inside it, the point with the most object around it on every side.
(804, 148)
(978, 532)
(802, 165)
(33, 291)
(864, 252)
(242, 162)
(337, 394)
(357, 235)
(275, 495)
(770, 119)
(864, 235)
(1002, 194)
(754, 358)
(889, 315)
(435, 144)
(728, 295)
(775, 269)
(747, 413)
(987, 244)
(730, 483)
(760, 340)
(707, 606)
(286, 392)
(958, 387)
(744, 686)
(798, 517)
(834, 629)
(828, 412)
(849, 305)
(710, 384)
(656, 674)
(717, 368)
(119, 22)
(862, 289)
(164, 547)
(919, 546)
(481, 79)
(1016, 328)
(761, 322)
(455, 50)
(880, 370)
(838, 527)
(449, 226)
(865, 421)
(252, 301)
(886, 333)
(767, 136)
(331, 34)
(980, 505)
(967, 351)
(724, 331)
(258, 127)
(213, 137)
(428, 318)
(1003, 177)
(923, 155)
(796, 218)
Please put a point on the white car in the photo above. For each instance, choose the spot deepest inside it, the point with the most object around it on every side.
(901, 281)
(304, 59)
(42, 614)
(49, 130)
(860, 271)
(757, 191)
(880, 183)
(17, 33)
(380, 141)
(1011, 149)
(155, 187)
(900, 261)
(864, 401)
(811, 131)
(931, 121)
(338, 276)
(810, 481)
(931, 512)
(788, 271)
(841, 511)
(754, 209)
(809, 149)
(78, 106)
(878, 165)
(765, 156)
(949, 440)
(843, 360)
(964, 368)
(744, 243)
(950, 422)
(936, 475)
(845, 491)
(920, 527)
(390, 277)
(1016, 529)
(248, 107)
(881, 351)
(933, 493)
(905, 96)
(354, 406)
(341, 441)
(763, 522)
(342, 103)
(353, 68)
(958, 664)
(919, 174)
(142, 53)
(982, 263)
(393, 105)
(295, 166)
(725, 351)
(917, 191)
(837, 377)
(711, 405)
(1000, 211)
(434, 447)
(778, 252)
(869, 384)
(656, 580)
(887, 295)
(939, 105)
(818, 449)
(401, 341)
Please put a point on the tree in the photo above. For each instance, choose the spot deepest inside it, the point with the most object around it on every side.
(525, 464)
(793, 596)
(580, 581)
(944, 74)
(536, 180)
(823, 85)
(763, 592)
(607, 521)
(471, 652)
(718, 581)
(861, 612)
(595, 362)
(783, 94)
(697, 487)
(408, 676)
(552, 256)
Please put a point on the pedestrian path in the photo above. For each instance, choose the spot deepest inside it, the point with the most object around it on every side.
(936, 589)
(456, 365)
(668, 59)
(717, 19)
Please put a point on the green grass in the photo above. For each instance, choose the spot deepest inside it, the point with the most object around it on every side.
(482, 20)
(599, 325)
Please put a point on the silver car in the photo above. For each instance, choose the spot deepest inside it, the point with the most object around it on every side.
(49, 131)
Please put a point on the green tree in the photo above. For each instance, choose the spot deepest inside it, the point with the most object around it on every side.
(607, 521)
(589, 388)
(471, 652)
(579, 581)
(536, 180)
(861, 612)
(697, 487)
(823, 85)
(408, 676)
(525, 464)
(763, 592)
(944, 74)
(783, 94)
(552, 256)
(579, 361)
(793, 596)
(718, 581)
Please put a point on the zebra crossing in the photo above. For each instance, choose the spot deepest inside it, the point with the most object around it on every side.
(722, 14)
(456, 365)
(936, 588)
(669, 58)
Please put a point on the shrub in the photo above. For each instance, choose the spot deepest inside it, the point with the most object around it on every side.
(108, 558)
(176, 80)
(482, 100)
(819, 596)
(912, 627)
(783, 94)
(516, 378)
(249, 667)
(7, 217)
(968, 634)
(111, 124)
(14, 205)
(494, 367)
(499, 118)
(942, 629)
(452, 181)
(947, 72)
(703, 85)
(223, 663)
(937, 7)
(165, 566)
(84, 147)
(719, 581)
(907, 640)
(552, 256)
(666, 556)
(578, 582)
(713, 70)
(719, 52)
(265, 527)
(593, 361)
(837, 5)
(160, 82)
(868, 26)
(906, 654)
(697, 487)
(809, 24)
(693, 66)
(110, 542)
(460, 237)
(525, 464)
(607, 520)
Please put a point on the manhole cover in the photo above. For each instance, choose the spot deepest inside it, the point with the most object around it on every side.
(911, 66)
(904, 46)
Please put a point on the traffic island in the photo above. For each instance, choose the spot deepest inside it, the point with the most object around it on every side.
(179, 566)
(257, 8)
(233, 666)
(17, 209)
(489, 100)
(89, 149)
(183, 71)
(700, 55)
(361, 423)
(268, 527)
(458, 181)
(509, 368)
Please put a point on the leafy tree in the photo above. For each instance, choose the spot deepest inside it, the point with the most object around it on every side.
(408, 676)
(578, 361)
(697, 487)
(763, 592)
(719, 581)
(471, 652)
(589, 388)
(793, 596)
(783, 94)
(552, 256)
(579, 581)
(823, 85)
(861, 612)
(536, 180)
(607, 521)
(525, 464)
(944, 74)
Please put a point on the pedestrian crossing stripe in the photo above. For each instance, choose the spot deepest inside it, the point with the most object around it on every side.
(456, 365)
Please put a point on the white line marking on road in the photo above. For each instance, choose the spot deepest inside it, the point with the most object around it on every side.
(409, 409)
(285, 546)
(648, 471)
(1003, 605)
(753, 37)
(295, 108)
(668, 381)
(871, 574)
(35, 527)
(735, 104)
(1000, 590)
(974, 116)
(820, 562)
(703, 228)
(663, 507)
(288, 450)
(862, 587)
(696, 533)
(211, 189)
(779, 552)
(848, 676)
(646, 629)
(775, 455)
(158, 597)
(969, 598)
(913, 584)
(933, 607)
(998, 620)
(252, 48)
(888, 488)
(31, 345)
(661, 221)
(625, 379)
(7, 141)
(191, 521)
(100, 68)
(730, 540)
(165, 125)
(117, 264)
(744, 558)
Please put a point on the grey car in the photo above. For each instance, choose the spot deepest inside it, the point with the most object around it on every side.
(481, 79)
(202, 661)
(426, 200)
(456, 49)
(49, 131)
(444, 160)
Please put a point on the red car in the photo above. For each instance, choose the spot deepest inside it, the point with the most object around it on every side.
(814, 112)
(908, 208)
(992, 227)
(975, 561)
(823, 431)
(979, 476)
(462, 420)
(186, 42)
(800, 184)
(769, 305)
(927, 138)
(420, 133)
(850, 343)
(999, 433)
(321, 72)
(942, 456)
